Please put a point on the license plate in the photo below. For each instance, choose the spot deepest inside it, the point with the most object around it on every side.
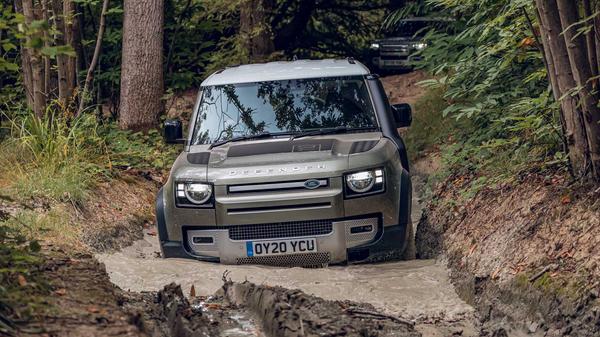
(280, 247)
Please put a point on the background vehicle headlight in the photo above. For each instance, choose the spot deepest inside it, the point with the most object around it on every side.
(374, 45)
(420, 46)
(364, 182)
(191, 194)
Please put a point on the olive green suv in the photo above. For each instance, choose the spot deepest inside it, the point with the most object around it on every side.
(289, 163)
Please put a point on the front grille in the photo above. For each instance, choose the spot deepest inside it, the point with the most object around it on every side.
(308, 260)
(280, 230)
(395, 48)
(279, 186)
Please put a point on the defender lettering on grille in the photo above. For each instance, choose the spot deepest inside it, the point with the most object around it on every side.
(280, 170)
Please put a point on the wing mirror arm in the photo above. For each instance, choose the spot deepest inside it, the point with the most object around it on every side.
(173, 132)
(402, 115)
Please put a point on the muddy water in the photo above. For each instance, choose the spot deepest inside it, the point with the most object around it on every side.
(418, 290)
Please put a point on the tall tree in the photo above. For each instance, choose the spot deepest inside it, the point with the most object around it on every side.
(572, 73)
(141, 65)
(255, 28)
(578, 57)
(90, 72)
(35, 60)
(46, 54)
(561, 78)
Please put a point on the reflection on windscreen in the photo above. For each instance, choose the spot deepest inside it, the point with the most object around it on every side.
(234, 110)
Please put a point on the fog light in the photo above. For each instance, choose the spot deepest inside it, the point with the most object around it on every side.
(203, 240)
(361, 229)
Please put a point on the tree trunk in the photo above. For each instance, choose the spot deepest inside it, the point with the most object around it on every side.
(543, 45)
(590, 39)
(576, 48)
(141, 67)
(92, 68)
(597, 39)
(556, 51)
(47, 65)
(26, 65)
(37, 68)
(61, 60)
(256, 30)
(70, 25)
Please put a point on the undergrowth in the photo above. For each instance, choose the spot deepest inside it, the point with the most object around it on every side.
(60, 158)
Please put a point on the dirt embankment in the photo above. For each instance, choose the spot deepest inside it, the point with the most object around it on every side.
(75, 295)
(526, 255)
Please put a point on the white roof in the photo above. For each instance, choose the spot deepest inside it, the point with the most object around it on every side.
(286, 70)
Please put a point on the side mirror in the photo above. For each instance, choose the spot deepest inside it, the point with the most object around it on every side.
(402, 115)
(173, 131)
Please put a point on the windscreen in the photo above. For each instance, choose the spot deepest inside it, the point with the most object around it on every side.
(288, 106)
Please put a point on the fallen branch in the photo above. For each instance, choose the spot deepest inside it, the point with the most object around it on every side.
(542, 272)
(92, 68)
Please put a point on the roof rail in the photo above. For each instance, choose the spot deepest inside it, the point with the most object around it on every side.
(351, 60)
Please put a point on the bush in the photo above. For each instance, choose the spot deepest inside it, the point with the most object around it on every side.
(59, 157)
(54, 157)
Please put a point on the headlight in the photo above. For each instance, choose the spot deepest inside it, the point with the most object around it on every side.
(374, 45)
(364, 182)
(420, 46)
(190, 194)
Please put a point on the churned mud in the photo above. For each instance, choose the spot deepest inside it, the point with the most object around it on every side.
(418, 291)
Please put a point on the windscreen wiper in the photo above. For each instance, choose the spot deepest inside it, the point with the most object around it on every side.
(329, 131)
(248, 137)
(319, 132)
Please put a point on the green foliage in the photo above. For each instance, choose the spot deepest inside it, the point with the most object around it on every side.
(127, 149)
(430, 128)
(8, 44)
(493, 75)
(60, 158)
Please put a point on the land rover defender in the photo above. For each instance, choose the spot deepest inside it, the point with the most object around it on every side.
(398, 47)
(294, 163)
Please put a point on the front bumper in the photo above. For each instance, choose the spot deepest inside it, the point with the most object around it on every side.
(400, 62)
(338, 247)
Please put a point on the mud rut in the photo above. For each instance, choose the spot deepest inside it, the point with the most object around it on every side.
(418, 291)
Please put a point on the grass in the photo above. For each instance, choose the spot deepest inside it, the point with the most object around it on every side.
(52, 158)
(430, 129)
(61, 159)
(55, 225)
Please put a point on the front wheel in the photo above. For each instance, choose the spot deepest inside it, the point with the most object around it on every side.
(410, 250)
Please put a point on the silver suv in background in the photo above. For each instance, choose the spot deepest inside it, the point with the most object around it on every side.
(289, 163)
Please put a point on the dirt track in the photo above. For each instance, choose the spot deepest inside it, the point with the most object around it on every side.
(418, 291)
